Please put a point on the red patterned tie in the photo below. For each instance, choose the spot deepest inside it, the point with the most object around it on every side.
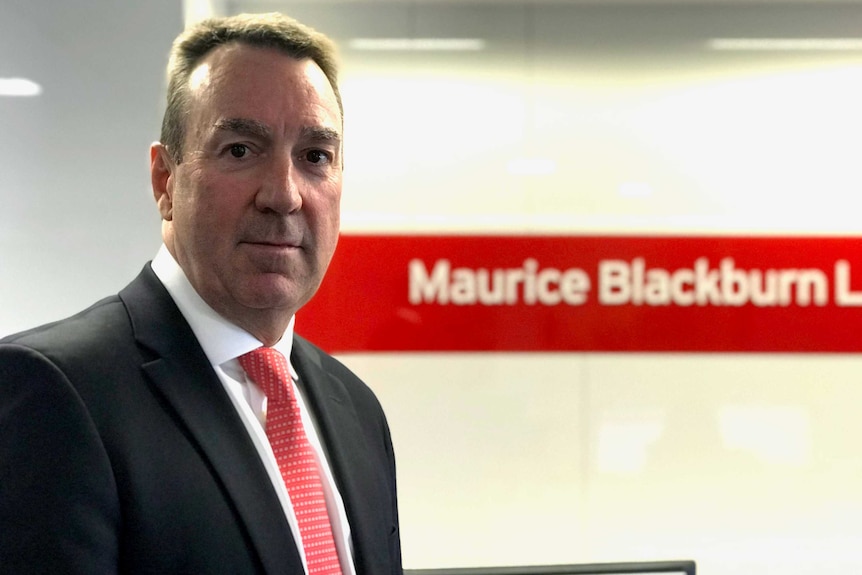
(296, 460)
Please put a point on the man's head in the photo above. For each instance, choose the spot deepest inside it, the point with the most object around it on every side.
(248, 176)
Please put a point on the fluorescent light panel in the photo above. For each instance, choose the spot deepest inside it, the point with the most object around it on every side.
(19, 87)
(418, 44)
(786, 44)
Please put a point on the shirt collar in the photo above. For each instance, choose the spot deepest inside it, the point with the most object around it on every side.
(220, 339)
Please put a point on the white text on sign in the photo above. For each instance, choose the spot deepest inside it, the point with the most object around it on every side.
(630, 282)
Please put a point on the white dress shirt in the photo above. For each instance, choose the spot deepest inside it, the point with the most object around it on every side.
(223, 342)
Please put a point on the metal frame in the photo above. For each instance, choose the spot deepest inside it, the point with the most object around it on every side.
(624, 568)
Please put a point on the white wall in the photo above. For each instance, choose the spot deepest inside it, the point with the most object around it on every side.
(745, 463)
(77, 219)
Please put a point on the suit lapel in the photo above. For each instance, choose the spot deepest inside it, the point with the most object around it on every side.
(360, 478)
(182, 375)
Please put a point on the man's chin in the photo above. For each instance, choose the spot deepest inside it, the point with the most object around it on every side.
(276, 293)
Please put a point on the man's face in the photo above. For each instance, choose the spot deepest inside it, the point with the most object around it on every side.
(252, 212)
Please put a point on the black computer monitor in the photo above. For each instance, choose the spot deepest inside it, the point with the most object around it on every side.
(626, 568)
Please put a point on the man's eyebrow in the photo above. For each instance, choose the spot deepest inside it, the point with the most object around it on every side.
(243, 126)
(320, 134)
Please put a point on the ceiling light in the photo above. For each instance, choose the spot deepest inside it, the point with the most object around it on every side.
(19, 87)
(418, 44)
(786, 44)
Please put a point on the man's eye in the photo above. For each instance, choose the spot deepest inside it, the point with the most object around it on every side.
(238, 150)
(317, 156)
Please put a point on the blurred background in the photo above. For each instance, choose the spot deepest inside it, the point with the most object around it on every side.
(514, 117)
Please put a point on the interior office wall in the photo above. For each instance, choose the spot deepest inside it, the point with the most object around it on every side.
(609, 118)
(78, 220)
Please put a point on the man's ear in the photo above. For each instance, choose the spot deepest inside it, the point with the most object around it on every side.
(162, 176)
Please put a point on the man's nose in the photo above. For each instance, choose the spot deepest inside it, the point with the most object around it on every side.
(280, 191)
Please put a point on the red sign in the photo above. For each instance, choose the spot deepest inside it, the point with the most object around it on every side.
(589, 293)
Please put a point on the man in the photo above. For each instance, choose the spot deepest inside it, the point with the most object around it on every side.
(139, 436)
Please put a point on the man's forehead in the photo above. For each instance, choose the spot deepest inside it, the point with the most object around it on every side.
(199, 76)
(232, 62)
(235, 87)
(236, 53)
(217, 58)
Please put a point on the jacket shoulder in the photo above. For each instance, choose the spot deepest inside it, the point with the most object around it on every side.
(104, 321)
(90, 332)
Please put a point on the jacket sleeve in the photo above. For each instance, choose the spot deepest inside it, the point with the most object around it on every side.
(58, 500)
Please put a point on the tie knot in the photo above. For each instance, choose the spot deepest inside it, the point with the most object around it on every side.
(268, 368)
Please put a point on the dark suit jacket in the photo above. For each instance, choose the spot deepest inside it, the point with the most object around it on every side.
(120, 451)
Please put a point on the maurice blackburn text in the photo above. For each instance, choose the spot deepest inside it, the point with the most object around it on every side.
(621, 282)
